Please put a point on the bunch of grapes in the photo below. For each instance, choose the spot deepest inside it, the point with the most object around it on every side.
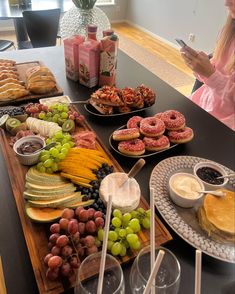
(71, 240)
(49, 158)
(124, 229)
(33, 109)
(93, 192)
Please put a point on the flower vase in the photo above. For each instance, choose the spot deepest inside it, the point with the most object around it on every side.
(76, 20)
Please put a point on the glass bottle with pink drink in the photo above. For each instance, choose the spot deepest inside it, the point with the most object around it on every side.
(89, 58)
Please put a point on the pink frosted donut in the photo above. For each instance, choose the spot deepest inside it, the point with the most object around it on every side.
(173, 120)
(152, 127)
(132, 147)
(156, 144)
(126, 134)
(181, 136)
(158, 115)
(134, 122)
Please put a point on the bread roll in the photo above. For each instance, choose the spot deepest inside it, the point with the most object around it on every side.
(8, 86)
(13, 94)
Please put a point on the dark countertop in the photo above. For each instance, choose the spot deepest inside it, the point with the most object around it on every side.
(212, 140)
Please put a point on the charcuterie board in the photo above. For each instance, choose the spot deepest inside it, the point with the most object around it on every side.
(36, 235)
(21, 70)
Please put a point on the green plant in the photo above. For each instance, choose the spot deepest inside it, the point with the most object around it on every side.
(84, 4)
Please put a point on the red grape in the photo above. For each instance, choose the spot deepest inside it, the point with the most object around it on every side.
(76, 238)
(92, 249)
(64, 223)
(74, 262)
(81, 228)
(99, 221)
(65, 269)
(91, 212)
(50, 245)
(89, 241)
(62, 241)
(67, 213)
(54, 262)
(91, 227)
(52, 274)
(47, 257)
(55, 228)
(53, 238)
(73, 227)
(80, 250)
(66, 251)
(55, 250)
(98, 214)
(78, 209)
(83, 215)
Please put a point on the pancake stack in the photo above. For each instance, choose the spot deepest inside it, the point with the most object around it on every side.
(217, 217)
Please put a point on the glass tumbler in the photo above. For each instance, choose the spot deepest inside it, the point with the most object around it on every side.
(88, 276)
(168, 277)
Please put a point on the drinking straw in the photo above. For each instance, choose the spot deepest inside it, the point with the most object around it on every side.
(152, 232)
(198, 266)
(154, 271)
(104, 246)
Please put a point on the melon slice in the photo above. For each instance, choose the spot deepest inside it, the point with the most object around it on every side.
(43, 215)
(53, 203)
(78, 204)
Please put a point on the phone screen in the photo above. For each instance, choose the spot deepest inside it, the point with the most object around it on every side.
(181, 42)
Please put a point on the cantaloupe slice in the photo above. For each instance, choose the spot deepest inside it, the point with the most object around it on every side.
(42, 215)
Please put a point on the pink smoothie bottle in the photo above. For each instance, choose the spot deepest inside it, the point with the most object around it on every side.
(108, 59)
(89, 59)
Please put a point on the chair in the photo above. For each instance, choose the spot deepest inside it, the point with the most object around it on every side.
(42, 28)
(6, 44)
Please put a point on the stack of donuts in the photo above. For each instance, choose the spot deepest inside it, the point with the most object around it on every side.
(153, 133)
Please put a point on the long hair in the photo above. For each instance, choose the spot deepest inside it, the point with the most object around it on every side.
(226, 38)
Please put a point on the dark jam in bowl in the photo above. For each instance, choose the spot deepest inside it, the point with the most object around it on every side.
(29, 147)
(209, 175)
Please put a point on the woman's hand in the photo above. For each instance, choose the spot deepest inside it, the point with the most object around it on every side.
(197, 61)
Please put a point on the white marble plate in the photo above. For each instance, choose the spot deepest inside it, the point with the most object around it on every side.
(183, 220)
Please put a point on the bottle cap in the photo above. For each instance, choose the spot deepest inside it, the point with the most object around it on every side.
(92, 28)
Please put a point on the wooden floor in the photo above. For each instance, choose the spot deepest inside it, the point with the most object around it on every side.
(153, 45)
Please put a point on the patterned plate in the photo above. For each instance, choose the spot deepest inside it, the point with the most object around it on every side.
(183, 220)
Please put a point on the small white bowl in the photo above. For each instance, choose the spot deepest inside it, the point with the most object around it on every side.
(182, 189)
(28, 159)
(216, 167)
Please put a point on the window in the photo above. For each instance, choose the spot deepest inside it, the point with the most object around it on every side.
(100, 2)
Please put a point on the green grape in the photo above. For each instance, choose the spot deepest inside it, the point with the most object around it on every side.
(49, 114)
(67, 137)
(44, 157)
(146, 223)
(117, 213)
(64, 115)
(39, 165)
(58, 146)
(132, 239)
(123, 250)
(126, 217)
(42, 115)
(109, 245)
(44, 152)
(97, 242)
(72, 144)
(116, 222)
(48, 141)
(60, 107)
(100, 234)
(117, 230)
(112, 236)
(55, 118)
(54, 152)
(59, 135)
(122, 233)
(136, 245)
(134, 224)
(140, 210)
(64, 151)
(148, 213)
(65, 108)
(134, 213)
(116, 248)
(54, 167)
(48, 163)
(125, 243)
(129, 230)
(66, 146)
(61, 156)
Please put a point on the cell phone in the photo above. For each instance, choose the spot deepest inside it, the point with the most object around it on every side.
(181, 42)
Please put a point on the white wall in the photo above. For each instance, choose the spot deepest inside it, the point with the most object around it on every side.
(115, 13)
(170, 19)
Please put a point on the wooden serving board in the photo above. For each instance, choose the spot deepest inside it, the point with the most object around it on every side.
(36, 235)
(21, 69)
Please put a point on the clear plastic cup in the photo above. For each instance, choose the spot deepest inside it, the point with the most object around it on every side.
(88, 275)
(168, 277)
